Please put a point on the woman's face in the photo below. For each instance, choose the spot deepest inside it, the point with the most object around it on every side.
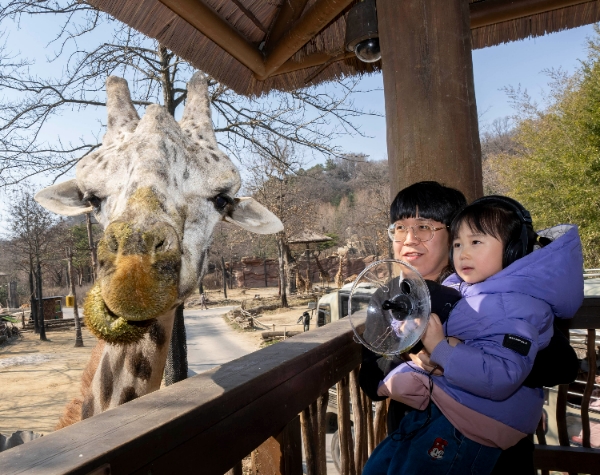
(428, 257)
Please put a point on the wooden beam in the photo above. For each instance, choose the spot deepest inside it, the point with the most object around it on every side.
(431, 115)
(588, 315)
(310, 61)
(288, 14)
(207, 21)
(496, 11)
(567, 459)
(250, 16)
(313, 21)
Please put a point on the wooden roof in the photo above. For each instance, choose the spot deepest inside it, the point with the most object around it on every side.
(306, 237)
(255, 46)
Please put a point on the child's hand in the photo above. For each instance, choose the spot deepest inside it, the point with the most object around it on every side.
(422, 361)
(433, 334)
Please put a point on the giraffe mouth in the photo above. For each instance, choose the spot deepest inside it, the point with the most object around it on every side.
(108, 326)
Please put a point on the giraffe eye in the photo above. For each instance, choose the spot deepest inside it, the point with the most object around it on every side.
(93, 200)
(221, 201)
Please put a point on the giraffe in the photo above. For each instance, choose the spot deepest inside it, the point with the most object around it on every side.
(158, 188)
(300, 282)
(339, 277)
(324, 276)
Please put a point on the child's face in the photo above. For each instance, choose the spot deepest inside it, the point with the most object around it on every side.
(476, 256)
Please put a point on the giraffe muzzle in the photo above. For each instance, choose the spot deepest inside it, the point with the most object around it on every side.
(137, 280)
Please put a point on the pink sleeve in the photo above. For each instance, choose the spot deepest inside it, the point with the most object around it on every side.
(409, 388)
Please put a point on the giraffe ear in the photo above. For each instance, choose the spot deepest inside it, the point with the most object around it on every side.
(254, 217)
(63, 198)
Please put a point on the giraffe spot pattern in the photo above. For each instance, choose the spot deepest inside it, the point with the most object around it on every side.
(157, 335)
(106, 382)
(127, 395)
(140, 366)
(87, 407)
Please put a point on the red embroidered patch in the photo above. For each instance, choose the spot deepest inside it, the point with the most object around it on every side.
(437, 449)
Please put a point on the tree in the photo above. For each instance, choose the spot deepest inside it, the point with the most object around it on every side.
(277, 185)
(555, 170)
(309, 118)
(31, 231)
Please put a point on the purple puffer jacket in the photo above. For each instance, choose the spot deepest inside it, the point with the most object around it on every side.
(503, 321)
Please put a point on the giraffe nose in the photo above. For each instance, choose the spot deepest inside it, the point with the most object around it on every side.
(126, 239)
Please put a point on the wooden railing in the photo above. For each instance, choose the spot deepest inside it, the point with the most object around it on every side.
(208, 423)
(583, 459)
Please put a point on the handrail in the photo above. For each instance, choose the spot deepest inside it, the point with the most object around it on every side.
(196, 420)
(218, 417)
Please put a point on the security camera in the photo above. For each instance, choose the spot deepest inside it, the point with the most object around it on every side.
(362, 36)
(368, 51)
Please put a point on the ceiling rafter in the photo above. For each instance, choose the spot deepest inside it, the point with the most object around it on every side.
(288, 14)
(250, 16)
(211, 24)
(317, 17)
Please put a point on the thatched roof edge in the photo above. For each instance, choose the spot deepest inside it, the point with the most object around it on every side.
(537, 25)
(155, 20)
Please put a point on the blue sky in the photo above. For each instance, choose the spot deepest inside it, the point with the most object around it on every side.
(518, 63)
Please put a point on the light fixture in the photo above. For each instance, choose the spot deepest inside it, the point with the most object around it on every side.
(362, 35)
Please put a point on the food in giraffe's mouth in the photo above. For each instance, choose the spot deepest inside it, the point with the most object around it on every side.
(108, 326)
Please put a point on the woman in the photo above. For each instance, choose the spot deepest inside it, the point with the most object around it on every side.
(425, 211)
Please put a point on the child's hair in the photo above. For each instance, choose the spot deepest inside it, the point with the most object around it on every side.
(502, 218)
(428, 199)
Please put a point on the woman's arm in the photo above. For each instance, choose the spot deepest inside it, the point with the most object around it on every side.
(555, 364)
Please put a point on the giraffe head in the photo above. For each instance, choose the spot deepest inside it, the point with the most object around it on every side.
(158, 187)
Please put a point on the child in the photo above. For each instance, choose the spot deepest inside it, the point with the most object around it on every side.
(512, 289)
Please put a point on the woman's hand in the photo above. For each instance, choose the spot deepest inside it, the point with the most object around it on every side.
(434, 333)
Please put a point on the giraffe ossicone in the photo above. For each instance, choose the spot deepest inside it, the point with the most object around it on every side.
(158, 187)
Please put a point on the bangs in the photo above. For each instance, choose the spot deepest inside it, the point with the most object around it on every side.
(428, 200)
(493, 221)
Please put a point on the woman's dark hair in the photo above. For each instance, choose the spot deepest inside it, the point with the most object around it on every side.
(428, 199)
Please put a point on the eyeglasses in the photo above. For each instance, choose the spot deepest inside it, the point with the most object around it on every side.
(422, 232)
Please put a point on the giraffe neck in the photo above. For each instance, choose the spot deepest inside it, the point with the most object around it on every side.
(126, 372)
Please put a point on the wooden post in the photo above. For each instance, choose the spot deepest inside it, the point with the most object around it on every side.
(265, 269)
(280, 455)
(236, 469)
(92, 246)
(360, 423)
(344, 428)
(431, 115)
(224, 277)
(78, 336)
(40, 302)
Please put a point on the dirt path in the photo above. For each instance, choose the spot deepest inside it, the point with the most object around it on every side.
(38, 378)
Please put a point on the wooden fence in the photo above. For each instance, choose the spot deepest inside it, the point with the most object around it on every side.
(208, 423)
